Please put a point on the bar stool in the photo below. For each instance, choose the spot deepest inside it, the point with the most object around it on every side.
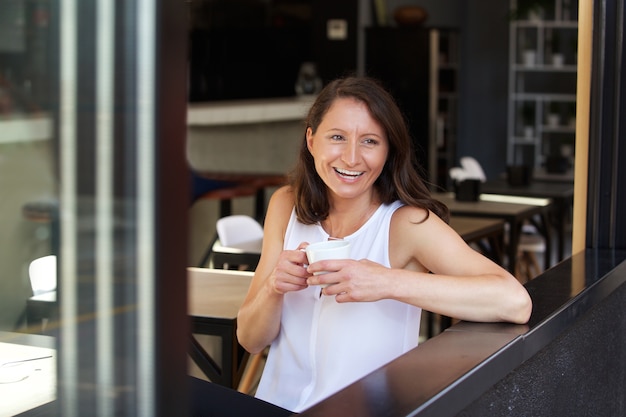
(530, 244)
(527, 264)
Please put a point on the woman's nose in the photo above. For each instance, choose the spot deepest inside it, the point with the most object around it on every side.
(350, 153)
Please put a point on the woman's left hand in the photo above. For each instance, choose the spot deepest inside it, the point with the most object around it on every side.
(350, 280)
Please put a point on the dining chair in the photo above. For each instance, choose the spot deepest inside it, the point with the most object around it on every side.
(42, 273)
(239, 243)
(217, 190)
(252, 374)
(207, 186)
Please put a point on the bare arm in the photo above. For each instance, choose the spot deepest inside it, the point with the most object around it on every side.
(278, 272)
(463, 284)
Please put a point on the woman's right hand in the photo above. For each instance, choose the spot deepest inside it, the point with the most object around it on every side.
(279, 271)
(290, 272)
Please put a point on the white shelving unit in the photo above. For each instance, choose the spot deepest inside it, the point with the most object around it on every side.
(542, 84)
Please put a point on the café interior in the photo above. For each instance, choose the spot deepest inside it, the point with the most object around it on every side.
(131, 132)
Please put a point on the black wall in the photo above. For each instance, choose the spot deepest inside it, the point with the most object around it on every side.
(399, 57)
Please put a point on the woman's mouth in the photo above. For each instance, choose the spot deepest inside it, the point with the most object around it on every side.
(348, 174)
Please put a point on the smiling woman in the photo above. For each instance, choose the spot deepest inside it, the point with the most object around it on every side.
(356, 180)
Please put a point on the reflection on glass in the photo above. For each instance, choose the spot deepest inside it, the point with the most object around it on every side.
(76, 178)
(24, 49)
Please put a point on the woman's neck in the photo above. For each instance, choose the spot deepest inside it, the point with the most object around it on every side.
(346, 217)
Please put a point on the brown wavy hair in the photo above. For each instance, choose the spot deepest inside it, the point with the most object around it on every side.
(399, 179)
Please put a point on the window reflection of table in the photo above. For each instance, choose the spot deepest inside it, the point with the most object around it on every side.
(561, 193)
(27, 374)
(513, 210)
(215, 296)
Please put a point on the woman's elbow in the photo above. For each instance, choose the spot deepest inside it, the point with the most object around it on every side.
(247, 344)
(522, 307)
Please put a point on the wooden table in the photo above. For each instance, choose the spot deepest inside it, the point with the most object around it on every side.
(215, 296)
(476, 230)
(513, 210)
(561, 193)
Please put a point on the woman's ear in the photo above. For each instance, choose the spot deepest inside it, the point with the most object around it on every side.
(309, 138)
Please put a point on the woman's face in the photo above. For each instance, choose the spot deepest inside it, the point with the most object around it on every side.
(349, 148)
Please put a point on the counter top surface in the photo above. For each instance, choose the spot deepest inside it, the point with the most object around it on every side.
(248, 111)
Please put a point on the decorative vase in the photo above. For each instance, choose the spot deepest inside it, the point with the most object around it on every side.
(558, 60)
(529, 132)
(553, 120)
(529, 57)
(308, 81)
(410, 15)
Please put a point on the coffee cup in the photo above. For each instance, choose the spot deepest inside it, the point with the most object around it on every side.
(329, 249)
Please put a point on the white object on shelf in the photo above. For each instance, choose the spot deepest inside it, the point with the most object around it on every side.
(530, 58)
(558, 60)
(553, 120)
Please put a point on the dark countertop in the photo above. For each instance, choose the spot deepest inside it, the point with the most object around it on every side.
(448, 372)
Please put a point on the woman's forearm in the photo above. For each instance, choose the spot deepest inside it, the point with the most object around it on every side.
(258, 321)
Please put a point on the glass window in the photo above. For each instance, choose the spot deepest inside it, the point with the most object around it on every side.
(89, 247)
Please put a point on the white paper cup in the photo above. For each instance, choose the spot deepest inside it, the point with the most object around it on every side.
(329, 249)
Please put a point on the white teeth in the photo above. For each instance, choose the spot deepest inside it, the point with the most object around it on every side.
(349, 173)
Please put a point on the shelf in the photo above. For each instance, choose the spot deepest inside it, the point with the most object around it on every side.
(522, 140)
(543, 97)
(547, 24)
(558, 129)
(536, 84)
(543, 68)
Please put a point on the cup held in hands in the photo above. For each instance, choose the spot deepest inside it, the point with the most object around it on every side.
(330, 249)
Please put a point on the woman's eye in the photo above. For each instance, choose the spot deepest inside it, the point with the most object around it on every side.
(337, 137)
(370, 141)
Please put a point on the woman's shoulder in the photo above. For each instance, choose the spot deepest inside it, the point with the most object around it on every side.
(411, 214)
(283, 196)
(282, 201)
(278, 213)
(408, 219)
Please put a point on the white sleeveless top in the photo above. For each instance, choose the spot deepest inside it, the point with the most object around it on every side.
(323, 345)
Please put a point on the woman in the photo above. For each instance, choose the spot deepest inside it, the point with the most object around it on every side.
(356, 180)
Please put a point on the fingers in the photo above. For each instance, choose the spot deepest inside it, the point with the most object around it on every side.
(349, 280)
(290, 273)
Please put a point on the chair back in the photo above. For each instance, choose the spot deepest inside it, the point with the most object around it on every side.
(238, 228)
(43, 274)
